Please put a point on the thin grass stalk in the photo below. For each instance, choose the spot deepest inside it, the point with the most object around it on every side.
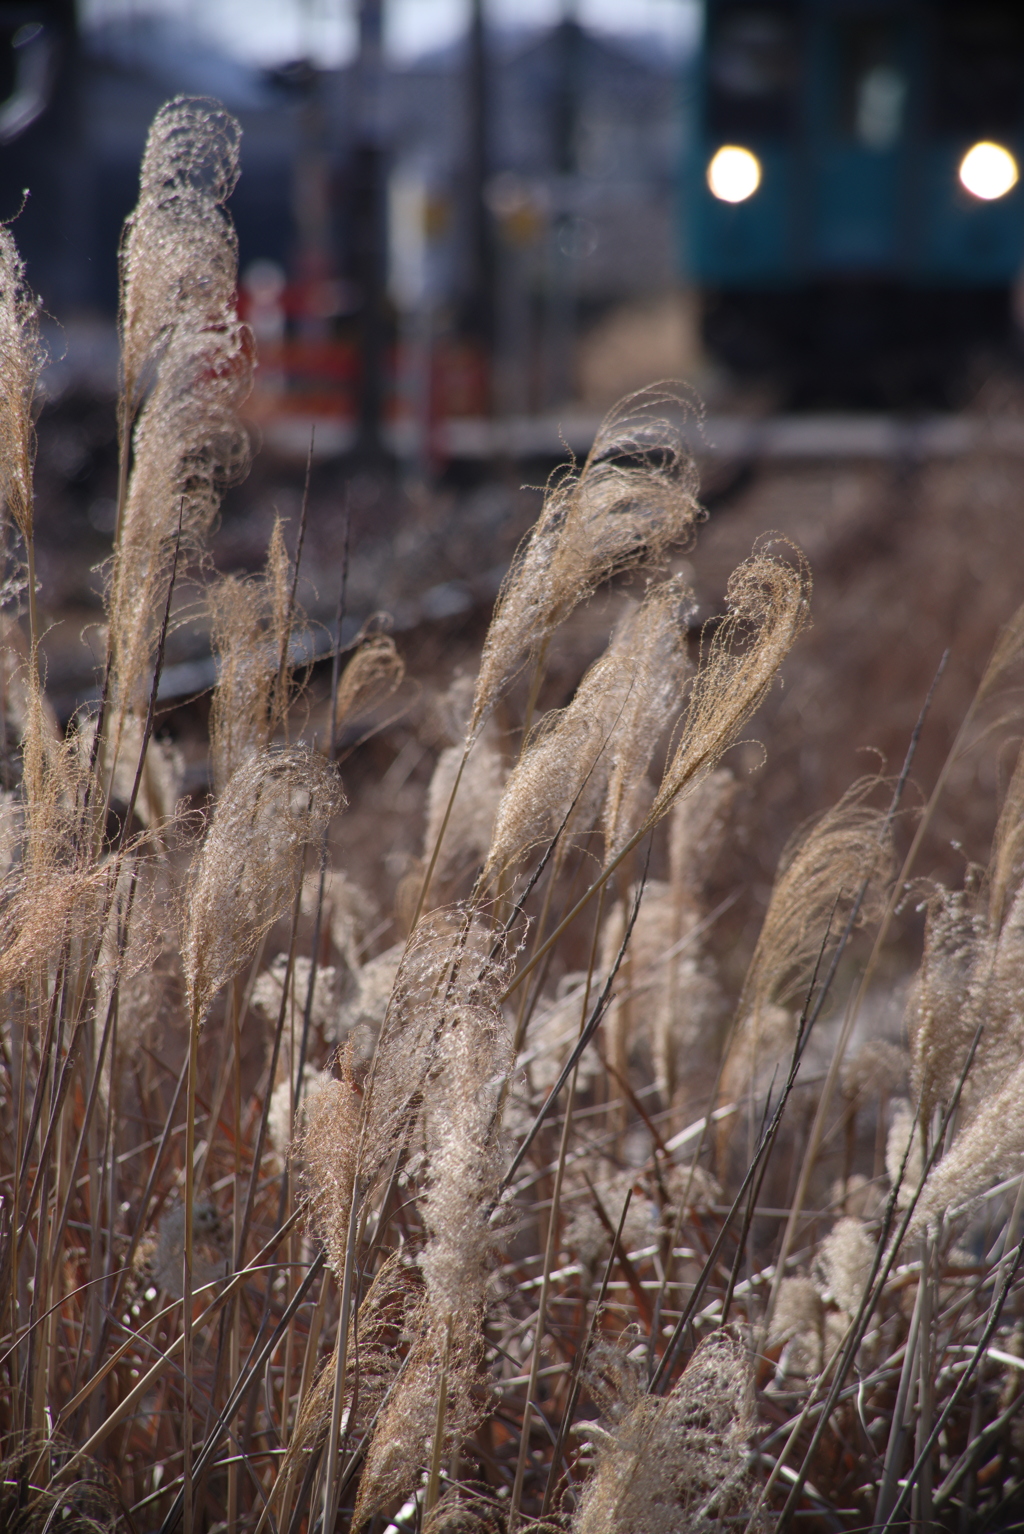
(550, 1244)
(764, 1148)
(332, 748)
(283, 1490)
(582, 1352)
(195, 1021)
(586, 1034)
(925, 1381)
(235, 1315)
(885, 1256)
(331, 1489)
(901, 1411)
(432, 1490)
(838, 1054)
(542, 1303)
(231, 1288)
(252, 1373)
(996, 1311)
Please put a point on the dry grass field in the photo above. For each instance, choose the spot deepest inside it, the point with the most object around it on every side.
(554, 1064)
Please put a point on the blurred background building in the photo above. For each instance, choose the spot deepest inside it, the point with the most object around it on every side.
(431, 226)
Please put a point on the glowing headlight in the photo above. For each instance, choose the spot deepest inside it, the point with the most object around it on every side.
(734, 174)
(988, 171)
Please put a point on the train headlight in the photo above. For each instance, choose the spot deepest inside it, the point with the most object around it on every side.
(988, 171)
(734, 174)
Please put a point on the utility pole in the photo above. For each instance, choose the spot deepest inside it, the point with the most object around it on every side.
(368, 205)
(568, 49)
(478, 321)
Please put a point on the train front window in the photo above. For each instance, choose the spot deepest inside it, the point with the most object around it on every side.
(873, 86)
(979, 68)
(752, 70)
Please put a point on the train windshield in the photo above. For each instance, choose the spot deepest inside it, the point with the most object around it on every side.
(753, 69)
(873, 83)
(979, 74)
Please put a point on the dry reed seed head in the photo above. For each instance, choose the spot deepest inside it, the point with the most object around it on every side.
(634, 498)
(179, 252)
(989, 1149)
(943, 1006)
(21, 361)
(189, 445)
(585, 1235)
(246, 637)
(553, 1031)
(844, 1263)
(47, 913)
(761, 1040)
(1007, 653)
(798, 1309)
(133, 957)
(266, 993)
(446, 985)
(465, 1159)
(382, 1320)
(246, 874)
(613, 1376)
(879, 1067)
(361, 1016)
(650, 647)
(564, 766)
(329, 1148)
(211, 1241)
(457, 1081)
(471, 824)
(1006, 864)
(375, 671)
(847, 850)
(798, 1325)
(698, 828)
(162, 783)
(768, 602)
(670, 1002)
(12, 830)
(822, 872)
(454, 1514)
(179, 332)
(447, 1359)
(904, 1131)
(19, 691)
(999, 989)
(286, 1119)
(349, 913)
(690, 1188)
(680, 1462)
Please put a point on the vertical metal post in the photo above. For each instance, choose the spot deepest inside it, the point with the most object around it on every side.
(478, 320)
(369, 230)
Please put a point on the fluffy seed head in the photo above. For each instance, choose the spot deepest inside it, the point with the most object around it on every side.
(768, 607)
(247, 633)
(21, 361)
(247, 871)
(845, 1259)
(634, 498)
(182, 339)
(680, 1462)
(371, 676)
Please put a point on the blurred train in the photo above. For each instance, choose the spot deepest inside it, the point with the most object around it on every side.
(853, 208)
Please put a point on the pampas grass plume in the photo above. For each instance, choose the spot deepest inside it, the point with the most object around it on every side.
(248, 869)
(21, 361)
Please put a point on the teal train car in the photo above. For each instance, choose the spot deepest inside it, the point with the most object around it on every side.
(853, 209)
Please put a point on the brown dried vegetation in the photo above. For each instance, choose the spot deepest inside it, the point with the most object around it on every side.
(308, 1224)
